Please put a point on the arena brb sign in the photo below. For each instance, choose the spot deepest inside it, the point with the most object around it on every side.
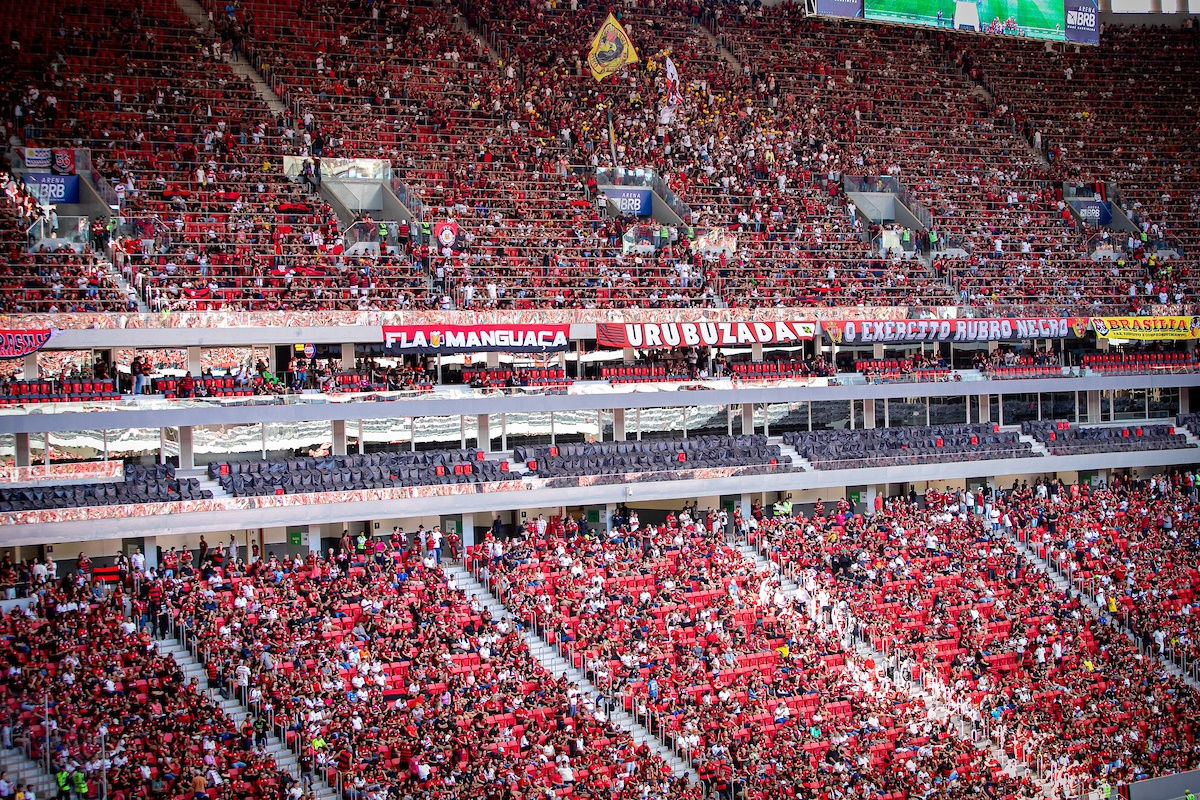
(476, 338)
(954, 330)
(52, 189)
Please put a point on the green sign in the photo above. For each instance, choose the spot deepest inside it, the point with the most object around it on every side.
(295, 537)
(593, 516)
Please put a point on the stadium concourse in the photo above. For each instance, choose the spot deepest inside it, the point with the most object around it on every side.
(659, 400)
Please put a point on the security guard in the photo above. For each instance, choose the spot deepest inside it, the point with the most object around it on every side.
(1188, 795)
(79, 784)
(63, 779)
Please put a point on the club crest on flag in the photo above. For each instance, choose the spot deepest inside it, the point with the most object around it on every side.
(674, 97)
(446, 234)
(611, 51)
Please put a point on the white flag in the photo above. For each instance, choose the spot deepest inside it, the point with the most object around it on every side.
(674, 95)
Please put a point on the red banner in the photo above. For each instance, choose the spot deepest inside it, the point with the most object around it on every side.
(476, 338)
(64, 161)
(447, 235)
(913, 331)
(694, 334)
(18, 344)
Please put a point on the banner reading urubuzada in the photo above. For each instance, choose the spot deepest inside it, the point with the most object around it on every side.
(693, 334)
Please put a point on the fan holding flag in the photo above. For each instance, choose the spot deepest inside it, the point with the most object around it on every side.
(674, 96)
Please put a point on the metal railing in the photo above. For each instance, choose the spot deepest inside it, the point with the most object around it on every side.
(69, 230)
(375, 236)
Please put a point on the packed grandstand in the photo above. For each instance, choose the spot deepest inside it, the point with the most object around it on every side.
(666, 400)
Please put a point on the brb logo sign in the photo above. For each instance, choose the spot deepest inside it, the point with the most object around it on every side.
(637, 202)
(53, 189)
(1094, 212)
(1083, 21)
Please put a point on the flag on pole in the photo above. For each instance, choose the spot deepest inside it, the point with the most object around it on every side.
(612, 50)
(674, 95)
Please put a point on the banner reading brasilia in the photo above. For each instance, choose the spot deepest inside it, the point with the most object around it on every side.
(18, 344)
(915, 331)
(476, 338)
(1147, 328)
(694, 334)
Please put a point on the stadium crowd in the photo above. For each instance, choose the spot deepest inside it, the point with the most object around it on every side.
(939, 582)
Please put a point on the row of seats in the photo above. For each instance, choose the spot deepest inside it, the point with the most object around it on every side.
(364, 471)
(885, 447)
(1013, 373)
(657, 455)
(1062, 438)
(154, 484)
(65, 391)
(1140, 359)
(767, 370)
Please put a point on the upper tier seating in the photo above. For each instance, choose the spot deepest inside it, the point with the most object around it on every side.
(1063, 439)
(362, 471)
(154, 484)
(887, 447)
(652, 455)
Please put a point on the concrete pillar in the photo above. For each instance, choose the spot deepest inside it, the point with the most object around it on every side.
(747, 418)
(314, 539)
(1185, 400)
(744, 505)
(150, 549)
(483, 430)
(468, 531)
(339, 437)
(985, 408)
(347, 357)
(618, 424)
(30, 367)
(628, 355)
(609, 510)
(195, 362)
(877, 350)
(869, 413)
(756, 352)
(869, 498)
(1093, 404)
(187, 452)
(492, 360)
(23, 455)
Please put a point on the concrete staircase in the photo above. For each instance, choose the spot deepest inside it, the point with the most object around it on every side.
(240, 66)
(1089, 602)
(718, 45)
(1188, 435)
(118, 278)
(1037, 446)
(22, 769)
(799, 462)
(284, 758)
(936, 708)
(559, 667)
